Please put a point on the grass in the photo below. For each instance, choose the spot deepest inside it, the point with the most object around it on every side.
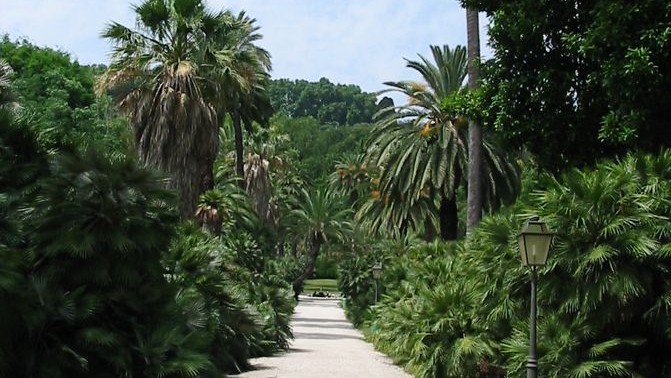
(326, 285)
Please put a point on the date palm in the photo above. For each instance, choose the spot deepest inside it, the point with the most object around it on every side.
(172, 75)
(422, 149)
(351, 176)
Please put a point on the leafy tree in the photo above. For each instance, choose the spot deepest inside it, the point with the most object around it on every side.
(173, 75)
(319, 146)
(573, 82)
(332, 104)
(58, 101)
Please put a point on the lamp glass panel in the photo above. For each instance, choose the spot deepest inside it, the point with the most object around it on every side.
(523, 253)
(537, 247)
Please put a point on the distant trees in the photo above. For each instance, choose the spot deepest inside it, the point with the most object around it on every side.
(334, 104)
(319, 146)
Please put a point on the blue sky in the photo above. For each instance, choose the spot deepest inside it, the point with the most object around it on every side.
(359, 42)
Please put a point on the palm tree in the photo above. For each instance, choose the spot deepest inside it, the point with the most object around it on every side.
(351, 175)
(320, 217)
(172, 75)
(422, 149)
(474, 205)
(249, 102)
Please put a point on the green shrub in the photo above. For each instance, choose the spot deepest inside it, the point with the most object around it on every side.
(604, 308)
(242, 313)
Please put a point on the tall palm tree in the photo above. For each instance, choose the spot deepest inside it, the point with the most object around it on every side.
(172, 76)
(320, 217)
(419, 146)
(474, 205)
(249, 102)
(422, 150)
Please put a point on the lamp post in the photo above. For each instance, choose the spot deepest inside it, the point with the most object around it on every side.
(377, 273)
(534, 241)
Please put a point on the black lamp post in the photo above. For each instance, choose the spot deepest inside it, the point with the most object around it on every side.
(534, 241)
(377, 273)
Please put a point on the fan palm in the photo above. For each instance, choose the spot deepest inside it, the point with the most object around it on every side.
(250, 101)
(172, 76)
(320, 217)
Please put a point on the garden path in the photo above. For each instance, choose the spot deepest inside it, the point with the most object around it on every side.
(325, 345)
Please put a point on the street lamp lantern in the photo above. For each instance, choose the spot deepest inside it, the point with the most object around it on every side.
(534, 241)
(377, 270)
(377, 274)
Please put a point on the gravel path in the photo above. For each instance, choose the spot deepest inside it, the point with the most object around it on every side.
(325, 345)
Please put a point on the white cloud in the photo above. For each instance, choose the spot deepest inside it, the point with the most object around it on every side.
(347, 41)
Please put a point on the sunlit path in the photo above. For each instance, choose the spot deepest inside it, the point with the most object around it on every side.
(326, 345)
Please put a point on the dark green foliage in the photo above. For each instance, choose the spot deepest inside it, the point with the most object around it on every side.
(58, 102)
(237, 312)
(326, 267)
(328, 103)
(93, 300)
(462, 310)
(355, 282)
(90, 285)
(577, 81)
(355, 279)
(319, 146)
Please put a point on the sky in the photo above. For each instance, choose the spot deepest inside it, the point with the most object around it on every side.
(362, 42)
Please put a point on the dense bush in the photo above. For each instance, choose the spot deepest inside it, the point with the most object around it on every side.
(100, 277)
(95, 281)
(89, 297)
(89, 289)
(326, 267)
(604, 309)
(238, 313)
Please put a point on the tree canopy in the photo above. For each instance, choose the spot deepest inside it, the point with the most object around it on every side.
(575, 81)
(334, 104)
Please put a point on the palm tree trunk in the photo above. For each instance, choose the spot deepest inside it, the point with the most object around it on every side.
(239, 167)
(449, 218)
(313, 252)
(474, 205)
